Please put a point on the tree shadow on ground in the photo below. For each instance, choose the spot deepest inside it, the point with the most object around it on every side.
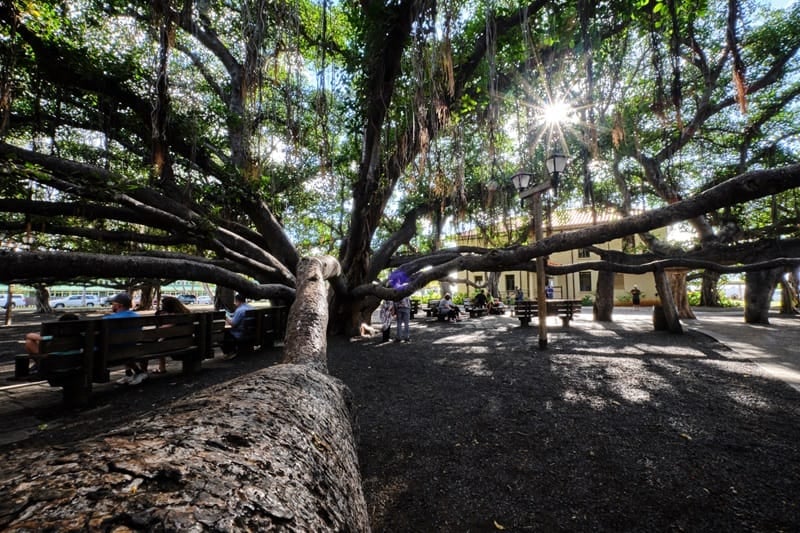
(607, 430)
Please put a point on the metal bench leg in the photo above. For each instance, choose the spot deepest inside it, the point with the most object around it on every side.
(21, 366)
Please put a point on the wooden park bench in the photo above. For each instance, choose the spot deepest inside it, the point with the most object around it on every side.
(432, 309)
(476, 312)
(564, 309)
(75, 354)
(263, 327)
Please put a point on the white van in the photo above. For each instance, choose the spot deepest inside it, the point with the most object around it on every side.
(76, 300)
(17, 300)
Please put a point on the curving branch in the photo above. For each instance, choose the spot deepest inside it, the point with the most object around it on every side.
(744, 188)
(24, 267)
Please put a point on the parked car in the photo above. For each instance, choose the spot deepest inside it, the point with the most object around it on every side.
(187, 298)
(205, 300)
(17, 300)
(76, 300)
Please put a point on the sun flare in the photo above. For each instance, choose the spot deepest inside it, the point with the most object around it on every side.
(556, 113)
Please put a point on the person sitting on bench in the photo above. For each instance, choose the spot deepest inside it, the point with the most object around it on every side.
(236, 329)
(447, 309)
(32, 341)
(121, 305)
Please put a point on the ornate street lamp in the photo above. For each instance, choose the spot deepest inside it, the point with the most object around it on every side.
(555, 163)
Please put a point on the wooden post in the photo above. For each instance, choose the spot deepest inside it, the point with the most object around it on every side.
(541, 277)
(8, 304)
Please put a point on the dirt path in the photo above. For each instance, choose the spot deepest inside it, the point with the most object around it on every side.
(614, 428)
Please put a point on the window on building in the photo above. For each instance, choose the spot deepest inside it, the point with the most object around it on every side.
(585, 281)
(584, 252)
(510, 286)
(619, 280)
(479, 280)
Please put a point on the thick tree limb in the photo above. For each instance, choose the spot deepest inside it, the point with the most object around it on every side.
(741, 189)
(274, 450)
(15, 267)
(306, 332)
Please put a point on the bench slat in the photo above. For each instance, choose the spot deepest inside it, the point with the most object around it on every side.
(565, 309)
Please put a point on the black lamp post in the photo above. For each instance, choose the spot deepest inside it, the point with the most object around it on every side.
(556, 163)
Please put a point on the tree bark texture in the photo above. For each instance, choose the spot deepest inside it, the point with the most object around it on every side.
(671, 319)
(790, 295)
(709, 295)
(758, 289)
(273, 450)
(603, 306)
(306, 330)
(676, 277)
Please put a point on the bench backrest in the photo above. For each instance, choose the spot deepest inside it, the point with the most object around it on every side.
(265, 325)
(125, 338)
(68, 336)
(215, 330)
(553, 306)
(108, 342)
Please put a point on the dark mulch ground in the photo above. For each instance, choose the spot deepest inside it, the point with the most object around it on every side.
(613, 428)
(471, 428)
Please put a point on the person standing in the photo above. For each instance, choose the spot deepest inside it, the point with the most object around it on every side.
(236, 329)
(387, 315)
(518, 295)
(480, 299)
(636, 296)
(403, 311)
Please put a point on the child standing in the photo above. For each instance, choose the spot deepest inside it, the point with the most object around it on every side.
(387, 315)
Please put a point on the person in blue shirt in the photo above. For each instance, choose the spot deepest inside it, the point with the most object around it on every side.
(121, 307)
(135, 372)
(236, 329)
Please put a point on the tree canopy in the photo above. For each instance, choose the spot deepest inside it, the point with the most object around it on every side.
(221, 142)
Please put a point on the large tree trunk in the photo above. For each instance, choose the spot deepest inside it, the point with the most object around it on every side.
(147, 293)
(758, 289)
(603, 306)
(676, 277)
(709, 295)
(270, 451)
(667, 309)
(790, 295)
(42, 298)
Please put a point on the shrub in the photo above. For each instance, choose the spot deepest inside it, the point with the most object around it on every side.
(693, 297)
(587, 300)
